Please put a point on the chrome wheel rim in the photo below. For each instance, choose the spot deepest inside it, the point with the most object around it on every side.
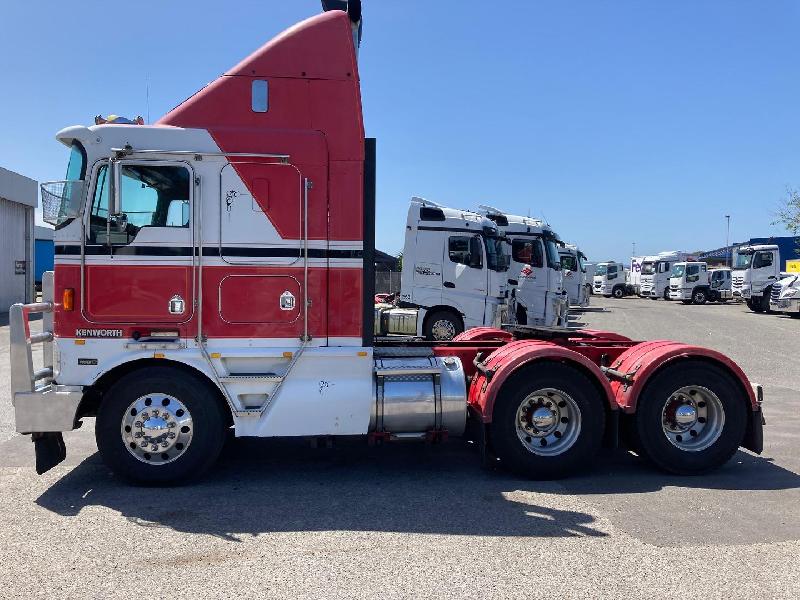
(692, 418)
(443, 329)
(548, 422)
(157, 429)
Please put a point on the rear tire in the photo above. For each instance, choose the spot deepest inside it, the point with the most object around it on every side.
(548, 421)
(690, 418)
(166, 409)
(756, 305)
(442, 326)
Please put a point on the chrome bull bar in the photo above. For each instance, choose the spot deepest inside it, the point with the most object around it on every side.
(40, 406)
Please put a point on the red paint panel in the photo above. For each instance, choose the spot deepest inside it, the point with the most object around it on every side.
(121, 293)
(344, 303)
(336, 110)
(346, 200)
(257, 299)
(318, 48)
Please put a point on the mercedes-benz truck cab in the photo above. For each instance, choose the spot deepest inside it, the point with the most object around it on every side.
(534, 274)
(573, 269)
(454, 274)
(755, 269)
(609, 279)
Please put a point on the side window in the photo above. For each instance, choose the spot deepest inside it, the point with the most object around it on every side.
(465, 250)
(693, 270)
(612, 270)
(763, 259)
(568, 263)
(150, 195)
(528, 252)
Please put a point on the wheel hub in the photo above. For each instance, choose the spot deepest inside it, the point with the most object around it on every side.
(443, 330)
(548, 422)
(692, 418)
(157, 428)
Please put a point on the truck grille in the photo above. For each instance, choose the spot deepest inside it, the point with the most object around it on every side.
(738, 280)
(674, 288)
(776, 293)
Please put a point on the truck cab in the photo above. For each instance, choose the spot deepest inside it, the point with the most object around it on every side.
(573, 270)
(721, 286)
(689, 282)
(610, 279)
(454, 273)
(534, 273)
(655, 274)
(785, 296)
(756, 268)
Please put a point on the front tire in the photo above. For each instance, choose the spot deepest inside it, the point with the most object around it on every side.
(618, 292)
(159, 425)
(690, 418)
(699, 297)
(442, 326)
(548, 421)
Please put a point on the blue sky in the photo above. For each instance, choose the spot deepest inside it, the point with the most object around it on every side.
(619, 122)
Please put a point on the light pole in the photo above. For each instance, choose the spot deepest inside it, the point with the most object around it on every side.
(727, 242)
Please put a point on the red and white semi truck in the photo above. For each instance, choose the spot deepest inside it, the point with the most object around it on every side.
(214, 271)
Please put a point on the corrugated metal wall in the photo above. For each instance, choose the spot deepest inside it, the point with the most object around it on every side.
(14, 246)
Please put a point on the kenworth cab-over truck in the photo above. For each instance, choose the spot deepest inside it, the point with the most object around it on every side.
(214, 272)
(454, 274)
(756, 269)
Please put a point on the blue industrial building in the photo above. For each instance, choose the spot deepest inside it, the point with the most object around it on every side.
(42, 253)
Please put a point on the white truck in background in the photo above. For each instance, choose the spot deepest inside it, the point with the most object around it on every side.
(655, 274)
(785, 296)
(534, 273)
(611, 279)
(692, 282)
(634, 276)
(573, 269)
(454, 275)
(756, 268)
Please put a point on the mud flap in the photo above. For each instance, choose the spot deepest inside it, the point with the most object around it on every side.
(754, 436)
(50, 450)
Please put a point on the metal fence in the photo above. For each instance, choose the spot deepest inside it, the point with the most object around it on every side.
(387, 282)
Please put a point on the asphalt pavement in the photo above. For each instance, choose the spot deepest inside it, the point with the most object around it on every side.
(276, 519)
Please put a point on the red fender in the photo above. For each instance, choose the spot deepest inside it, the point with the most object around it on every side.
(605, 335)
(483, 334)
(645, 359)
(506, 360)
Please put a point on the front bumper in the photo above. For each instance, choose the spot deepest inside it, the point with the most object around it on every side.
(48, 409)
(785, 305)
(680, 294)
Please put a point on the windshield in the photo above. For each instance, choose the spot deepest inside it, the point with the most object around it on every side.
(678, 271)
(742, 261)
(61, 200)
(553, 260)
(648, 268)
(76, 167)
(496, 254)
(601, 270)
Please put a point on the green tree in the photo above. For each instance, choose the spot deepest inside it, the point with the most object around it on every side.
(788, 213)
(400, 261)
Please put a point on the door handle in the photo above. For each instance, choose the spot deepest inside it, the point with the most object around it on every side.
(449, 284)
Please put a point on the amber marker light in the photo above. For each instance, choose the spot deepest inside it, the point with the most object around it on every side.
(68, 299)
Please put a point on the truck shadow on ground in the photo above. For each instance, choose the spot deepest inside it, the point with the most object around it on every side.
(262, 486)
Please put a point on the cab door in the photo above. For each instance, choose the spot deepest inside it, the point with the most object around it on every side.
(530, 272)
(139, 265)
(464, 276)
